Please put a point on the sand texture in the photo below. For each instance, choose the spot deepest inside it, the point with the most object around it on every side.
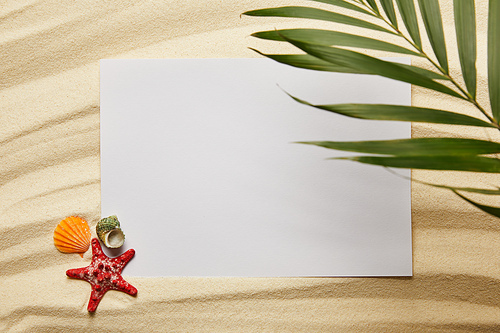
(49, 169)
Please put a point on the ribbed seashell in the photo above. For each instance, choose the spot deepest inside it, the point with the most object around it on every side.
(109, 232)
(72, 235)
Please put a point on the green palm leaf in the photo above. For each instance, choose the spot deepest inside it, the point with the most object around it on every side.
(345, 4)
(454, 163)
(373, 5)
(431, 14)
(494, 57)
(409, 16)
(485, 191)
(414, 147)
(399, 113)
(488, 209)
(371, 65)
(467, 189)
(388, 7)
(307, 61)
(495, 211)
(316, 14)
(328, 37)
(465, 25)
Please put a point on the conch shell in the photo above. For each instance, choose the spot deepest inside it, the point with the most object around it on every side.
(72, 235)
(109, 232)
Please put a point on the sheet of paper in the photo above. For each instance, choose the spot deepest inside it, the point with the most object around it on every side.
(198, 161)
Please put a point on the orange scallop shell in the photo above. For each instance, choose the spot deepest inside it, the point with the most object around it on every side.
(72, 235)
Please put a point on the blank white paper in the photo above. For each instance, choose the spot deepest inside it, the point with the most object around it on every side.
(199, 163)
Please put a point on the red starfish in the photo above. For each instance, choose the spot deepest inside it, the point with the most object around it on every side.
(103, 274)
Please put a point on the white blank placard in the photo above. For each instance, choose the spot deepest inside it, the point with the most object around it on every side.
(198, 161)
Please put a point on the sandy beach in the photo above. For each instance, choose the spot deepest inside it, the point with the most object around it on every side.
(50, 169)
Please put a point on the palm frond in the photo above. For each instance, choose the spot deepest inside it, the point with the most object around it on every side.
(399, 113)
(465, 25)
(415, 147)
(495, 211)
(346, 4)
(409, 16)
(315, 14)
(494, 57)
(470, 163)
(388, 7)
(329, 37)
(431, 15)
(307, 61)
(325, 51)
(371, 65)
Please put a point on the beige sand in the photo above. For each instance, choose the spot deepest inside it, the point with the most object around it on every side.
(49, 169)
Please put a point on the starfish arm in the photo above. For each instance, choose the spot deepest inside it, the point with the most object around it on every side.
(124, 258)
(121, 285)
(95, 299)
(96, 249)
(76, 273)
